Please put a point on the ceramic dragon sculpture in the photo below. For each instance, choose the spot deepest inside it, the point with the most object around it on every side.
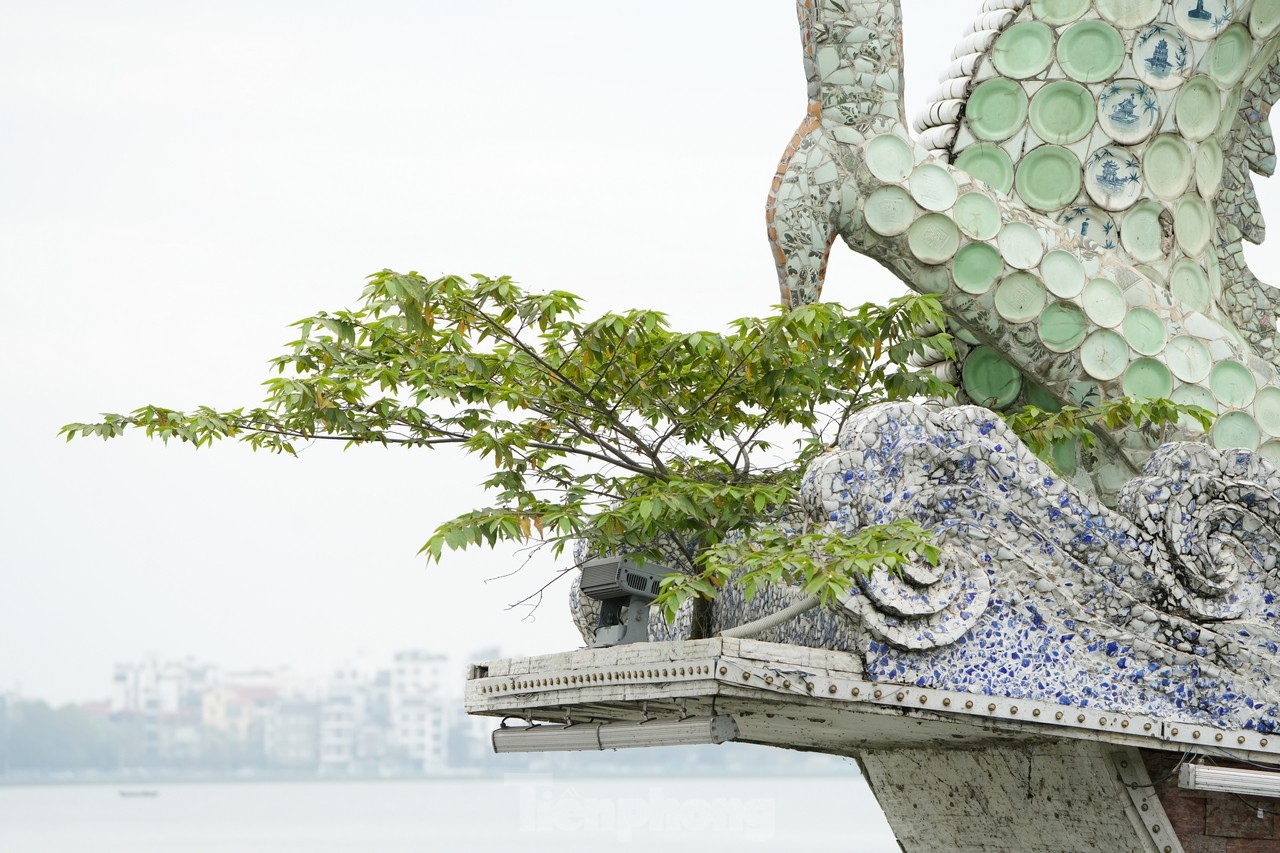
(1077, 197)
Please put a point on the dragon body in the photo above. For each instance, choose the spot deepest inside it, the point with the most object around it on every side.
(1077, 197)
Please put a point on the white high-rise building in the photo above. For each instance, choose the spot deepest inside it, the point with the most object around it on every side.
(419, 715)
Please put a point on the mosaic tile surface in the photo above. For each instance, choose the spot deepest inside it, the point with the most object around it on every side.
(1077, 197)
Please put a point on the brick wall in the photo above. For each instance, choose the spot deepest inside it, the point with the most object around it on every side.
(1210, 822)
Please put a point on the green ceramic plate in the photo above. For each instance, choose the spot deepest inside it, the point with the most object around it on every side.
(989, 164)
(977, 216)
(1063, 274)
(1023, 50)
(1188, 359)
(1264, 18)
(1128, 13)
(976, 267)
(1194, 395)
(1021, 245)
(1144, 330)
(933, 187)
(1062, 112)
(1090, 51)
(1104, 354)
(1209, 168)
(1190, 285)
(1162, 56)
(1048, 178)
(933, 238)
(1062, 327)
(1266, 406)
(1103, 303)
(989, 380)
(1141, 233)
(889, 211)
(1199, 105)
(1167, 166)
(1147, 379)
(889, 158)
(1235, 429)
(1020, 297)
(1193, 225)
(1233, 384)
(996, 109)
(1232, 51)
(1057, 12)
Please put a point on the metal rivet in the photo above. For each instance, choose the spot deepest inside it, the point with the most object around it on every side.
(856, 691)
(1240, 740)
(923, 699)
(946, 703)
(1263, 742)
(1102, 721)
(1058, 716)
(1124, 764)
(1155, 828)
(664, 674)
(832, 689)
(879, 694)
(899, 696)
(1124, 724)
(746, 676)
(968, 704)
(808, 686)
(1080, 719)
(786, 683)
(1146, 806)
(768, 679)
(1146, 727)
(1218, 736)
(1168, 849)
(1196, 735)
(1035, 712)
(991, 708)
(1174, 732)
(723, 670)
(1013, 710)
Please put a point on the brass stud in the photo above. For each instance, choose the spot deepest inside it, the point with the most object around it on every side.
(768, 679)
(946, 703)
(664, 674)
(1168, 849)
(1173, 732)
(1124, 724)
(746, 676)
(786, 684)
(923, 699)
(1146, 806)
(1218, 736)
(879, 694)
(1035, 712)
(1155, 828)
(856, 691)
(1058, 716)
(1013, 710)
(899, 696)
(832, 689)
(1240, 740)
(1080, 719)
(1102, 721)
(992, 708)
(1262, 742)
(1146, 727)
(968, 705)
(1196, 735)
(724, 670)
(808, 686)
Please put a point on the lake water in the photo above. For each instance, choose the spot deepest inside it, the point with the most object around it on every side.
(528, 813)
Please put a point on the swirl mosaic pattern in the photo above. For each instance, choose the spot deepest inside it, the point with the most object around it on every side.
(1080, 239)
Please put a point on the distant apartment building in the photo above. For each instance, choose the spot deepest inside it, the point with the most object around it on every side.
(418, 713)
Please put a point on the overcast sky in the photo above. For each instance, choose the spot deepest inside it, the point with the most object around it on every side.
(180, 181)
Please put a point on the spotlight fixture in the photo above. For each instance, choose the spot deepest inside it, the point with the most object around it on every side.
(1230, 780)
(598, 736)
(624, 588)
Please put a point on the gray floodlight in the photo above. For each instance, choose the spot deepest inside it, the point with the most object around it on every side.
(1255, 783)
(624, 589)
(598, 736)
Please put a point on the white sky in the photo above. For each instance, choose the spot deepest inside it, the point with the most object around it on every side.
(180, 181)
